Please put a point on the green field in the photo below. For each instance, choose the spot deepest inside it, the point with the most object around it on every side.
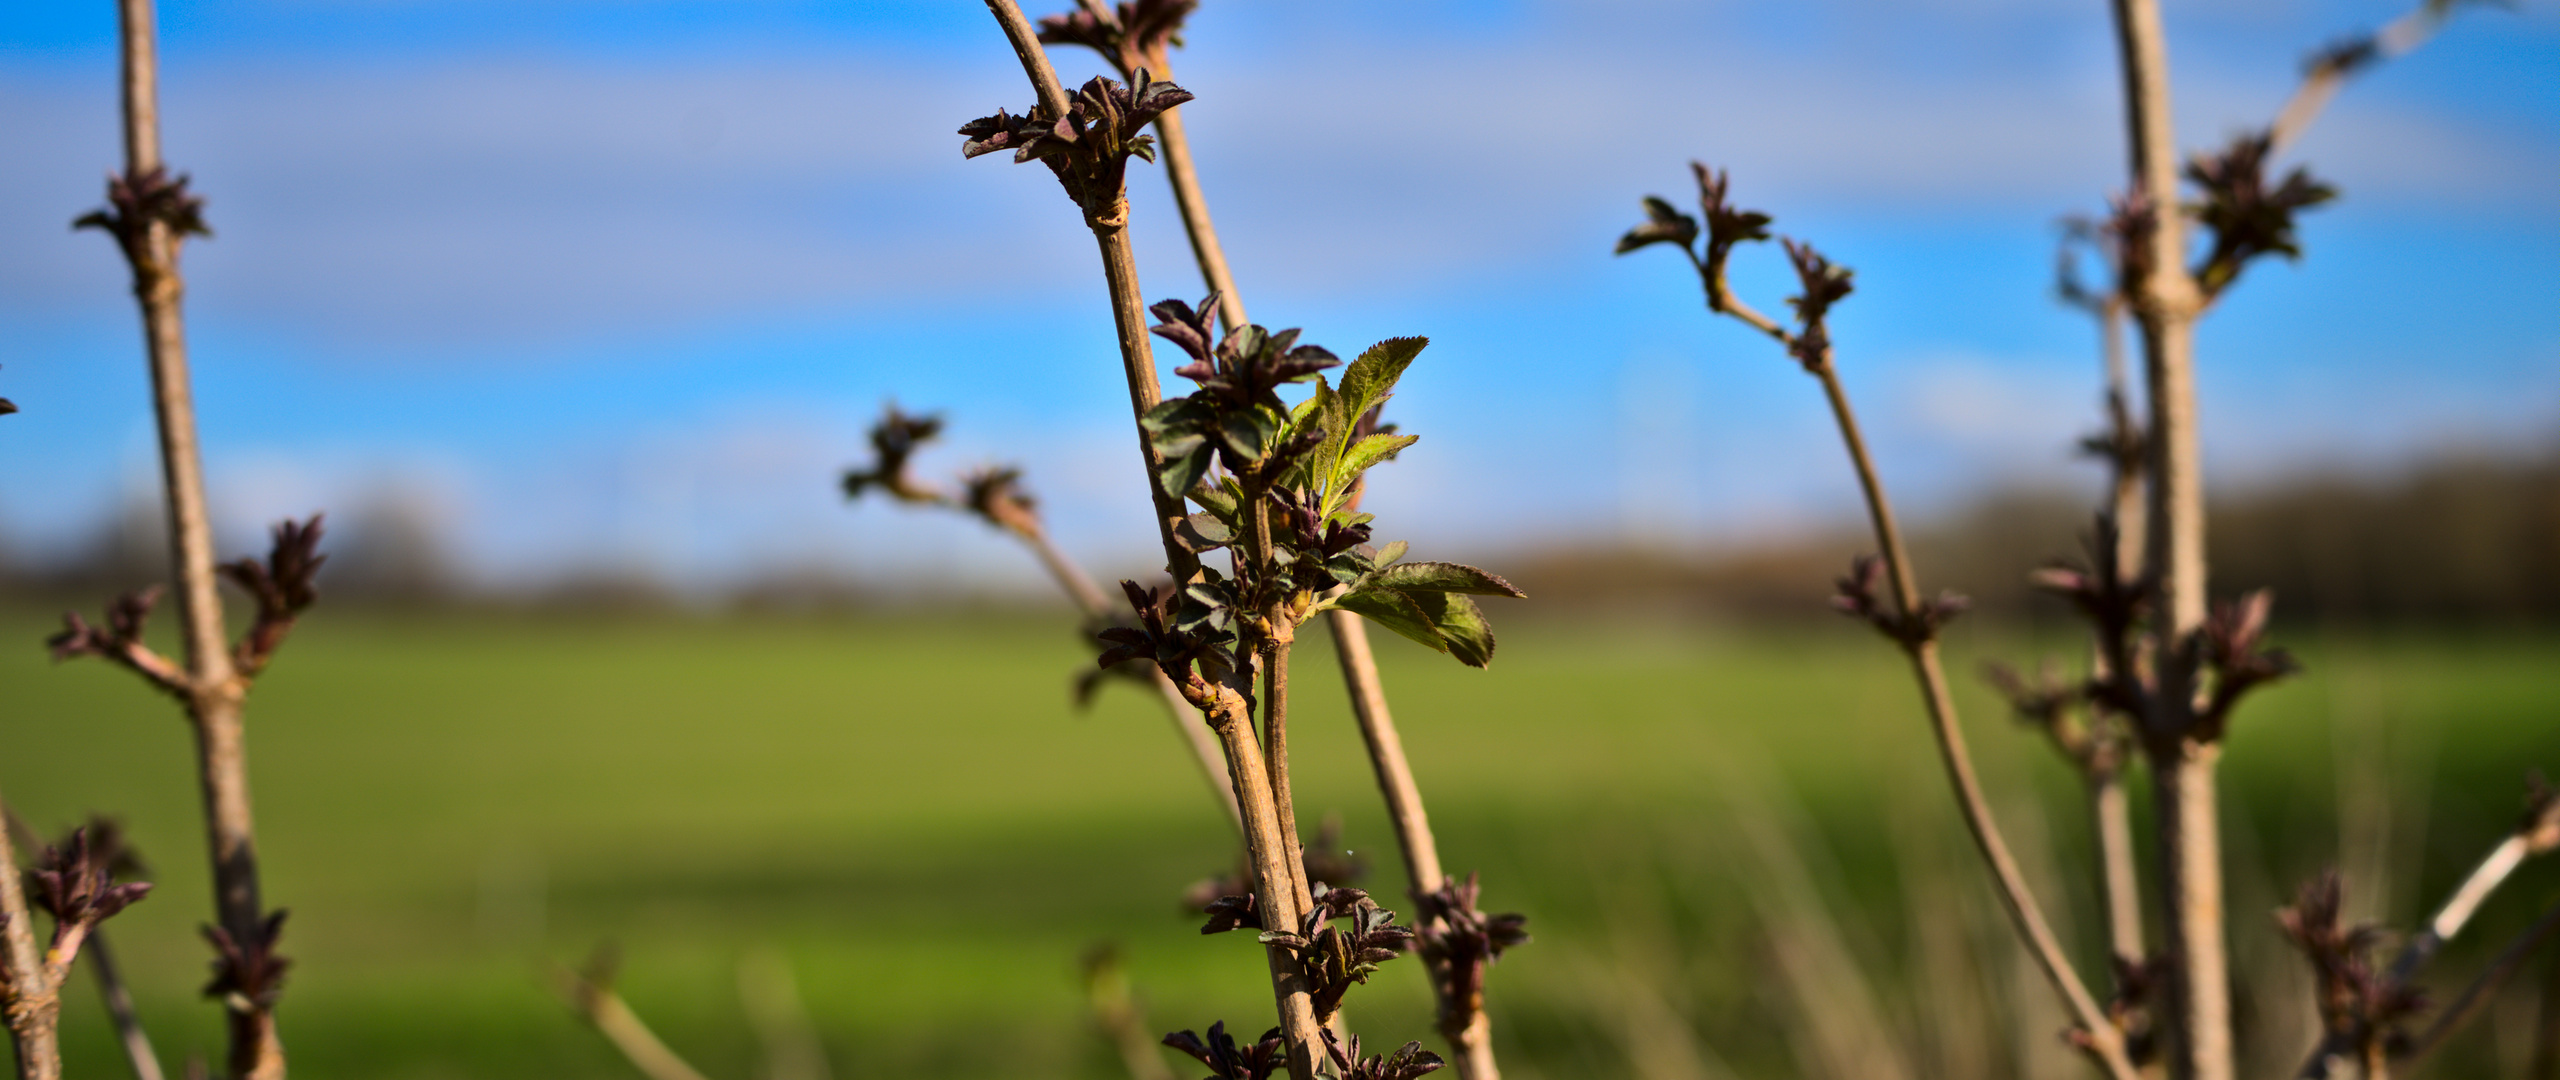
(908, 810)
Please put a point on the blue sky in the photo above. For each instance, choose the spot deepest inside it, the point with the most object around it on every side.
(614, 286)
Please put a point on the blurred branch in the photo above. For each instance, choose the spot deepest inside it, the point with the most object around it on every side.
(590, 993)
(136, 1042)
(2481, 988)
(997, 497)
(1106, 986)
(1910, 621)
(792, 1050)
(2537, 832)
(2329, 69)
(33, 1001)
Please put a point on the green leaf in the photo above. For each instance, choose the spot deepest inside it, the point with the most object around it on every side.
(1388, 554)
(1365, 453)
(1181, 473)
(1364, 384)
(1395, 611)
(1445, 577)
(1459, 622)
(1249, 433)
(1218, 498)
(1367, 381)
(1173, 413)
(1176, 444)
(1202, 533)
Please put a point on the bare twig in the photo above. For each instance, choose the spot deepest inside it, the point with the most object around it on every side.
(1116, 1012)
(1275, 864)
(2481, 988)
(1468, 1030)
(34, 1004)
(2330, 68)
(2165, 301)
(138, 1053)
(792, 1050)
(150, 214)
(1911, 621)
(590, 992)
(996, 496)
(2536, 833)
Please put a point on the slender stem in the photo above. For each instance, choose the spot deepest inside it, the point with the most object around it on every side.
(1468, 1029)
(138, 1054)
(1035, 63)
(33, 1001)
(2104, 1040)
(214, 696)
(2191, 886)
(1137, 359)
(2321, 82)
(2457, 910)
(2165, 301)
(1090, 598)
(1195, 215)
(1223, 706)
(1274, 886)
(2123, 887)
(2119, 877)
(1070, 577)
(622, 1027)
(2479, 991)
(1275, 748)
(1255, 562)
(2546, 1033)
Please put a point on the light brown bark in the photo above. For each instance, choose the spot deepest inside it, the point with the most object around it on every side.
(32, 999)
(1224, 707)
(1468, 1030)
(605, 1009)
(2123, 889)
(2104, 1040)
(2165, 303)
(1274, 884)
(215, 691)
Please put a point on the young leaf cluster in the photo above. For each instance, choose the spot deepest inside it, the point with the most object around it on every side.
(2249, 217)
(1407, 1062)
(1227, 1061)
(1088, 148)
(1464, 940)
(135, 201)
(1133, 36)
(2231, 648)
(1336, 959)
(1235, 449)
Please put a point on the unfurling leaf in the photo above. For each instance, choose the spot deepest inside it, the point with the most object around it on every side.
(1446, 577)
(1368, 452)
(1663, 225)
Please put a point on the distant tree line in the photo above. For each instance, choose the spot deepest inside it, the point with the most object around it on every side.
(2471, 540)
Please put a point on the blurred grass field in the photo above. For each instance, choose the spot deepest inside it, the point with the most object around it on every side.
(907, 810)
